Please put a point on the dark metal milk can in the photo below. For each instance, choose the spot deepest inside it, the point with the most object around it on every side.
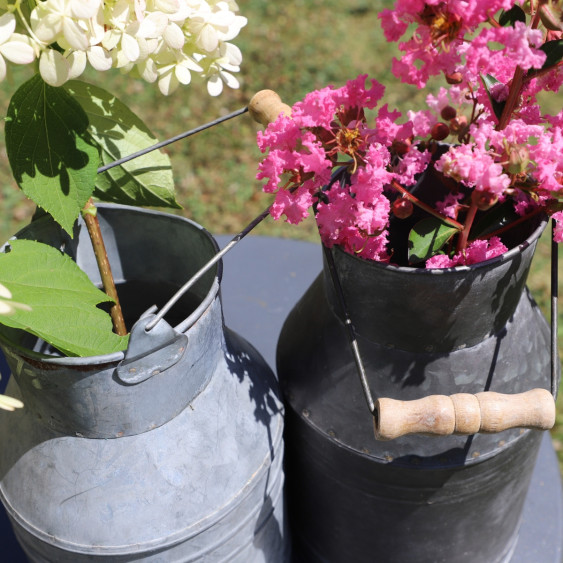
(171, 452)
(422, 499)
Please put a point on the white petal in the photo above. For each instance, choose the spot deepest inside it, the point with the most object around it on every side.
(183, 75)
(77, 64)
(7, 26)
(214, 85)
(47, 27)
(84, 8)
(168, 83)
(18, 52)
(208, 38)
(230, 80)
(168, 6)
(54, 68)
(130, 47)
(111, 39)
(232, 52)
(174, 36)
(188, 62)
(223, 19)
(75, 35)
(153, 25)
(147, 70)
(99, 58)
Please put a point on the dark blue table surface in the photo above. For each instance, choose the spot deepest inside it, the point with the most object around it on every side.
(263, 278)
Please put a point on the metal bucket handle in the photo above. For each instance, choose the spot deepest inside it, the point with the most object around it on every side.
(440, 415)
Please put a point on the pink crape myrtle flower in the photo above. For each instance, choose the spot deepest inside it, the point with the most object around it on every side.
(558, 231)
(482, 149)
(474, 168)
(518, 49)
(300, 152)
(477, 251)
(441, 28)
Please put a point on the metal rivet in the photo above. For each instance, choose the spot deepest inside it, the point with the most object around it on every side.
(305, 413)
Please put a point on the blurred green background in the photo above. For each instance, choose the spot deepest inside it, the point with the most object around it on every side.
(292, 47)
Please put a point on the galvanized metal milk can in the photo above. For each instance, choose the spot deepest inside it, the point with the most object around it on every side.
(416, 498)
(169, 452)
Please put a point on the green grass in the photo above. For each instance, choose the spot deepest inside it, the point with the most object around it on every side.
(291, 47)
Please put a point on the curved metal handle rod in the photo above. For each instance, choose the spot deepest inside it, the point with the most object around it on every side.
(463, 413)
(166, 142)
(264, 107)
(237, 238)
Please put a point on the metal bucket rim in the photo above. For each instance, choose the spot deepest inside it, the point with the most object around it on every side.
(116, 357)
(491, 262)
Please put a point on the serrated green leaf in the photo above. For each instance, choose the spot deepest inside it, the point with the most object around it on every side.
(510, 17)
(427, 238)
(488, 82)
(118, 132)
(62, 298)
(49, 149)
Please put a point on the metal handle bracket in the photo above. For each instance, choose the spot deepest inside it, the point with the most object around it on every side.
(150, 353)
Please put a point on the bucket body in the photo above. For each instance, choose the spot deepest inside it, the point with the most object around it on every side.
(417, 498)
(185, 465)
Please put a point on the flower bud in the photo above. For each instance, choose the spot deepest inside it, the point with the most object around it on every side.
(518, 160)
(448, 113)
(401, 147)
(402, 208)
(458, 124)
(440, 131)
(454, 78)
(483, 200)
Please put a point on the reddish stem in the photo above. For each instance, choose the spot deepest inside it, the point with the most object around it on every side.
(464, 235)
(425, 207)
(513, 224)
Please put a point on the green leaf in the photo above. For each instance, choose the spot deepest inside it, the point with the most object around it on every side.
(62, 298)
(427, 238)
(488, 82)
(510, 17)
(49, 149)
(118, 132)
(554, 51)
(497, 217)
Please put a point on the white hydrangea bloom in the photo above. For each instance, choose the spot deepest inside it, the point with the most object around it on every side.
(13, 46)
(164, 41)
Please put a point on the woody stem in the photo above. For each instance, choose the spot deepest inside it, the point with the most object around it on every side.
(89, 214)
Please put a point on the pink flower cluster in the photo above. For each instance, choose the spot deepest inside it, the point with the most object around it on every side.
(363, 177)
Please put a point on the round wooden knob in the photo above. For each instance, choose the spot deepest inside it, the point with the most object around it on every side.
(464, 413)
(265, 107)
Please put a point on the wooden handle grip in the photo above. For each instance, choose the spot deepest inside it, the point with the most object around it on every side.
(463, 413)
(265, 106)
